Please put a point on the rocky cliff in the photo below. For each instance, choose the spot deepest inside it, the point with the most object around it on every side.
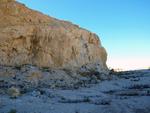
(30, 37)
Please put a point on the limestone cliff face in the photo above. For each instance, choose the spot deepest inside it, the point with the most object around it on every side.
(30, 37)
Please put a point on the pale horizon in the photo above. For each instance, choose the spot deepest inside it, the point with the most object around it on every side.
(129, 64)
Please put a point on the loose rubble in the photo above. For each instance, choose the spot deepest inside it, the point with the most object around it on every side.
(43, 92)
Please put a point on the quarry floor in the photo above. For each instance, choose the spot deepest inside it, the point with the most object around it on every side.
(128, 92)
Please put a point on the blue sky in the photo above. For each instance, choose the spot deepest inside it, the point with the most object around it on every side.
(122, 25)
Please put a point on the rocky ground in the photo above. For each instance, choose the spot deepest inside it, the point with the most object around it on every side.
(45, 90)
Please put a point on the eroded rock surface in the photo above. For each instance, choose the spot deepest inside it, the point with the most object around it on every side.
(30, 37)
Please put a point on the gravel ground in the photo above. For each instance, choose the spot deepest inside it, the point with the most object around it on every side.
(124, 92)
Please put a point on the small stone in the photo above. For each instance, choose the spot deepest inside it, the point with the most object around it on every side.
(52, 86)
(51, 96)
(54, 90)
(52, 107)
(35, 93)
(23, 70)
(13, 92)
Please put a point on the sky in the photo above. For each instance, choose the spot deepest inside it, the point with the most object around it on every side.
(123, 26)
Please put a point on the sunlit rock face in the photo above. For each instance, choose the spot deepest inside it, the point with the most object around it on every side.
(30, 37)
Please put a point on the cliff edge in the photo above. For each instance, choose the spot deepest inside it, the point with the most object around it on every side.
(30, 37)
